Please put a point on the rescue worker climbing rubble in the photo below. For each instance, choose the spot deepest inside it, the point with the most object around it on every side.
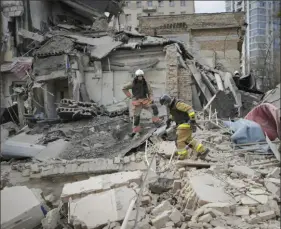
(185, 120)
(142, 98)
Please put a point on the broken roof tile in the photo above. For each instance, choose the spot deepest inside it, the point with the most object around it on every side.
(56, 45)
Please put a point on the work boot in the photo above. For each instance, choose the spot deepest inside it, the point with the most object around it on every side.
(204, 154)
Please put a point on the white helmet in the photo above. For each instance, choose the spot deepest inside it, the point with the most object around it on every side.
(236, 73)
(139, 72)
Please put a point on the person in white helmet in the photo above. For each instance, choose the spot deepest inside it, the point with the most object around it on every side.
(142, 98)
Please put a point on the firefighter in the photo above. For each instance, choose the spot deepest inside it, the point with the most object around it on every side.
(142, 98)
(184, 117)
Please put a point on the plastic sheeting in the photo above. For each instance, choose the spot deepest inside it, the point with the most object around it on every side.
(268, 117)
(245, 131)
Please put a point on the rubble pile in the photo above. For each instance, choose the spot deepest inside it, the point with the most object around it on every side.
(230, 189)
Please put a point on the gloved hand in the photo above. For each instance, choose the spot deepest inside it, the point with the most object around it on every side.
(168, 123)
(193, 126)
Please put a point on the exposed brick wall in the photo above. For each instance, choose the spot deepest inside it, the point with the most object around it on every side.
(172, 70)
(181, 23)
(185, 82)
(214, 32)
(218, 45)
(12, 8)
(178, 80)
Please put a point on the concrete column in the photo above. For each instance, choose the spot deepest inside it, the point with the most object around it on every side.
(49, 99)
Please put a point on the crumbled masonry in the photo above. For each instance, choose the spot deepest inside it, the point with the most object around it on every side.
(71, 164)
(177, 194)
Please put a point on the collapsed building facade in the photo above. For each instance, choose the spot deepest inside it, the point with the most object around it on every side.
(73, 62)
(83, 174)
(214, 39)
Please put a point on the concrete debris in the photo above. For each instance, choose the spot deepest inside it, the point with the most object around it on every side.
(208, 189)
(176, 216)
(245, 171)
(97, 184)
(160, 220)
(275, 173)
(114, 202)
(52, 219)
(161, 185)
(90, 171)
(164, 206)
(22, 208)
(72, 110)
(177, 194)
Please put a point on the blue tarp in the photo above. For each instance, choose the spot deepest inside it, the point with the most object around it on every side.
(245, 131)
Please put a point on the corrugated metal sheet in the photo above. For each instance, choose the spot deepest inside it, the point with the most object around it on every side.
(101, 46)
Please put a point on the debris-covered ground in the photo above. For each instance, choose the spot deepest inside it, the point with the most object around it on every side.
(232, 188)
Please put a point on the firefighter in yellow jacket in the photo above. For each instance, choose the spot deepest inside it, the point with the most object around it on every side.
(142, 98)
(184, 117)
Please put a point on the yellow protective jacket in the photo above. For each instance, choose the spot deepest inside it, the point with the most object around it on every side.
(180, 112)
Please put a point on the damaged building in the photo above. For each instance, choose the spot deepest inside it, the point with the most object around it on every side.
(73, 162)
(214, 38)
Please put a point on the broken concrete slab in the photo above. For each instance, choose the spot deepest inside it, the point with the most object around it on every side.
(261, 217)
(254, 200)
(164, 206)
(176, 186)
(209, 189)
(161, 220)
(161, 185)
(242, 211)
(244, 171)
(99, 183)
(275, 173)
(205, 218)
(273, 186)
(52, 219)
(176, 216)
(53, 150)
(96, 210)
(13, 149)
(236, 183)
(22, 208)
